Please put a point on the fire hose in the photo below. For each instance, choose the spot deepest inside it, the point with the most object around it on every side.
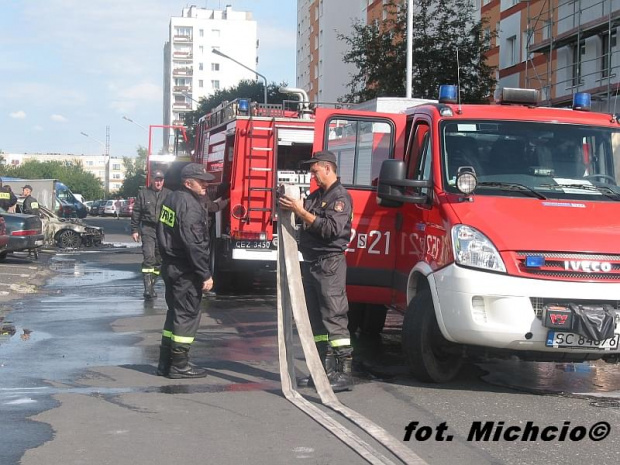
(292, 307)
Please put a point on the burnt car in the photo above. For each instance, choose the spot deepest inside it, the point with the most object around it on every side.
(69, 233)
(25, 233)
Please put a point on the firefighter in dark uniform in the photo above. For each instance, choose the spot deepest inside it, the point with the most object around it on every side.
(183, 235)
(7, 197)
(146, 211)
(31, 205)
(326, 215)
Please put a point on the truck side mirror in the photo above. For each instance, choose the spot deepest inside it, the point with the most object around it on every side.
(391, 191)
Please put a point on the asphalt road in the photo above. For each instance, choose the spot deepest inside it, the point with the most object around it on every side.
(77, 383)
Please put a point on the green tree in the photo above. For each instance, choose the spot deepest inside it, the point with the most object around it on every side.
(71, 173)
(135, 174)
(252, 90)
(441, 30)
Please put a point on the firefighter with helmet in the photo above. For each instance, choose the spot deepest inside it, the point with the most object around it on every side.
(326, 215)
(146, 211)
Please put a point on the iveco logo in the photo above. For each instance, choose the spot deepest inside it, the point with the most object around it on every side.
(587, 266)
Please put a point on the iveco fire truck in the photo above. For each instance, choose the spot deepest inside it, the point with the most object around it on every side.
(494, 228)
(251, 148)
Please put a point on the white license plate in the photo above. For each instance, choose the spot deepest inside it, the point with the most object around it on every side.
(253, 244)
(559, 339)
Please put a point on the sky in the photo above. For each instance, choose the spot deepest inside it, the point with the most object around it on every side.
(76, 66)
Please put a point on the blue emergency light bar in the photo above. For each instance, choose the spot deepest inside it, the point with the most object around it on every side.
(448, 94)
(582, 101)
(243, 105)
(534, 261)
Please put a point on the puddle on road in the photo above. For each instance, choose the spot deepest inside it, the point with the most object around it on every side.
(588, 379)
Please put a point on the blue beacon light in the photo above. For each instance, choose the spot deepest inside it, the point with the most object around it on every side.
(582, 101)
(244, 105)
(448, 94)
(534, 261)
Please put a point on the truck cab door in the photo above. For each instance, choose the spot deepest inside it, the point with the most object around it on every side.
(361, 141)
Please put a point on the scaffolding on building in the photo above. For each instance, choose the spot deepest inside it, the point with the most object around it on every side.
(571, 47)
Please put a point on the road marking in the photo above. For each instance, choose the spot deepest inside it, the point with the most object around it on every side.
(14, 274)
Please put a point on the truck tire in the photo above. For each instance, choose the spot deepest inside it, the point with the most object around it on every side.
(3, 256)
(430, 357)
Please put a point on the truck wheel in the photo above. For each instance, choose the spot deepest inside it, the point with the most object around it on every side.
(68, 239)
(3, 256)
(431, 358)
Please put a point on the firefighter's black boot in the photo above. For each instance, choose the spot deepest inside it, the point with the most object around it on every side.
(341, 379)
(165, 359)
(148, 286)
(329, 363)
(181, 368)
(152, 286)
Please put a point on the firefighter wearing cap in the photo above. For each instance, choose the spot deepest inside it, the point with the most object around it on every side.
(146, 212)
(7, 197)
(326, 215)
(183, 235)
(31, 205)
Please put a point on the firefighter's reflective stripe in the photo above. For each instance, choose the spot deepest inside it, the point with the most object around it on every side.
(340, 342)
(5, 195)
(155, 271)
(168, 216)
(182, 339)
(34, 205)
(321, 338)
(148, 270)
(179, 339)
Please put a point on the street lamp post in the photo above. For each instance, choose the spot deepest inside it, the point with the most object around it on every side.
(106, 159)
(217, 52)
(132, 121)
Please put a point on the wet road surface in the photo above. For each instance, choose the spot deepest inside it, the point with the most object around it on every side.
(76, 382)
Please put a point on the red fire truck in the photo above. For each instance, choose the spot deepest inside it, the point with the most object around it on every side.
(495, 229)
(250, 148)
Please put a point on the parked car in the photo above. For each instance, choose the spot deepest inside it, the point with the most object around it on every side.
(109, 209)
(4, 237)
(25, 233)
(94, 208)
(127, 206)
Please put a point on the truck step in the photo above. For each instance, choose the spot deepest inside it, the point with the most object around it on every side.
(259, 209)
(261, 189)
(255, 168)
(261, 149)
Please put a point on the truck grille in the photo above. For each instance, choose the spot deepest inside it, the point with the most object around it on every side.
(570, 266)
(539, 302)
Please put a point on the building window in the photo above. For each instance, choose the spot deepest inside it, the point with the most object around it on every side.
(116, 176)
(200, 66)
(608, 44)
(487, 36)
(201, 83)
(201, 49)
(512, 51)
(116, 166)
(215, 85)
(201, 32)
(546, 32)
(90, 163)
(215, 66)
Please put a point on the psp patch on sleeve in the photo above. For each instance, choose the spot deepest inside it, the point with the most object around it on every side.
(339, 206)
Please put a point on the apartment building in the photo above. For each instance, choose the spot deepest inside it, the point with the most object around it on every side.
(557, 46)
(192, 70)
(94, 164)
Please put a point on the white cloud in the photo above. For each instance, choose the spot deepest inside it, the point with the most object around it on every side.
(21, 114)
(58, 118)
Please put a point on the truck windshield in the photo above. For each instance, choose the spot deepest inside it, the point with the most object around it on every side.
(557, 160)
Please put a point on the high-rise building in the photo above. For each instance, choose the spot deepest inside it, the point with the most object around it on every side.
(192, 71)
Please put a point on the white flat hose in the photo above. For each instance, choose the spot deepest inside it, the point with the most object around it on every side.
(292, 305)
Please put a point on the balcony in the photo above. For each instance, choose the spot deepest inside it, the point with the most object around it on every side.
(183, 71)
(181, 106)
(182, 55)
(182, 89)
(182, 38)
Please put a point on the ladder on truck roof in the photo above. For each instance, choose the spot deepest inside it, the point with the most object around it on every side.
(262, 166)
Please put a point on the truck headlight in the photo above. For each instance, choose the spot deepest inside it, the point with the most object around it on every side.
(472, 248)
